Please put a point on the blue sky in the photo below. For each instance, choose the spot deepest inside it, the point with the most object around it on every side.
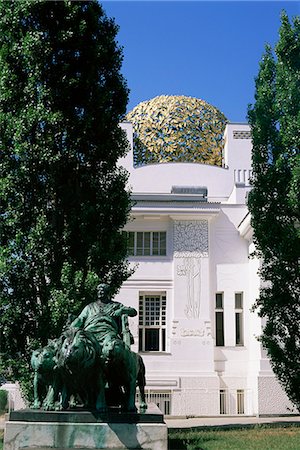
(205, 49)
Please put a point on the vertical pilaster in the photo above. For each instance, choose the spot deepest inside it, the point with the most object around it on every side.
(191, 331)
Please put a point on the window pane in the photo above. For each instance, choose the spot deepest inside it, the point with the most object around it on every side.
(219, 329)
(163, 344)
(238, 300)
(151, 339)
(139, 243)
(147, 243)
(140, 340)
(238, 329)
(240, 397)
(155, 243)
(219, 301)
(163, 243)
(223, 401)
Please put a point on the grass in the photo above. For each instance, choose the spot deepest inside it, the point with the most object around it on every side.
(258, 437)
(1, 439)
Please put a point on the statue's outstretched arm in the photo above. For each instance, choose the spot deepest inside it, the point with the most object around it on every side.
(130, 311)
(127, 310)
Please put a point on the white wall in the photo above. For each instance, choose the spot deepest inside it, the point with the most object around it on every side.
(159, 178)
(208, 247)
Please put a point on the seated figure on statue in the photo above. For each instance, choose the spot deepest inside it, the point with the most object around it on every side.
(98, 342)
(107, 320)
(104, 317)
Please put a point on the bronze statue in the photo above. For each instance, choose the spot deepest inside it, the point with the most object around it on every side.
(103, 317)
(43, 362)
(81, 370)
(92, 361)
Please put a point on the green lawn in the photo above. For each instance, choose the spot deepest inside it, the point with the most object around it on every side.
(256, 438)
(1, 439)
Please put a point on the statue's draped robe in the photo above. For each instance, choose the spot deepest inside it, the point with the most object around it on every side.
(99, 319)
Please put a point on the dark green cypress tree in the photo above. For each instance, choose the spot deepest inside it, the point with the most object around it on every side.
(274, 202)
(62, 197)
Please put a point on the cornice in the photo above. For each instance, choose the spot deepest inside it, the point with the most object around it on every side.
(166, 204)
(174, 210)
(163, 197)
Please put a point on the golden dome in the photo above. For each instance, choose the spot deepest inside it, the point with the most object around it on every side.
(176, 128)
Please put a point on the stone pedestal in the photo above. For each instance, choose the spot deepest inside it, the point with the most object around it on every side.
(45, 430)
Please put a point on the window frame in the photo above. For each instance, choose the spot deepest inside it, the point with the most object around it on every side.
(240, 401)
(239, 319)
(151, 243)
(223, 400)
(219, 320)
(148, 318)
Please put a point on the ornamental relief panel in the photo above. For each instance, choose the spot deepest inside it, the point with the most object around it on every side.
(182, 328)
(191, 268)
(190, 238)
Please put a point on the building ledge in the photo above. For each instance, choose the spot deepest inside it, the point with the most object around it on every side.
(169, 197)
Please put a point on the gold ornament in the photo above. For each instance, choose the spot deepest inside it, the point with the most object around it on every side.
(176, 128)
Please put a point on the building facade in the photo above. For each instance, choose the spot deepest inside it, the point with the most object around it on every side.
(189, 239)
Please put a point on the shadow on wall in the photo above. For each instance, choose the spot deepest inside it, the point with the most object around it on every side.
(226, 241)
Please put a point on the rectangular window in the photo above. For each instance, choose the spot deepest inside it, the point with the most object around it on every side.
(219, 300)
(239, 319)
(146, 243)
(219, 320)
(139, 243)
(152, 323)
(223, 401)
(240, 401)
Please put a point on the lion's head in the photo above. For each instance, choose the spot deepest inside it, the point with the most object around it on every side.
(43, 359)
(113, 349)
(79, 349)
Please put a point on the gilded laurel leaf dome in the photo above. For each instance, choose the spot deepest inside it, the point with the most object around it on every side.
(176, 128)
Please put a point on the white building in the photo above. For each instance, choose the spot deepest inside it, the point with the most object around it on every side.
(194, 285)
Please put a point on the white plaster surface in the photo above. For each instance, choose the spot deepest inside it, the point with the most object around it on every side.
(208, 248)
(271, 398)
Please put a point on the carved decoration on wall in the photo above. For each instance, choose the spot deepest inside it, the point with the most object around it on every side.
(203, 331)
(184, 329)
(190, 238)
(191, 245)
(193, 274)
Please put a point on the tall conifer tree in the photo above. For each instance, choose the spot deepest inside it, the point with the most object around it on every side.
(62, 196)
(274, 202)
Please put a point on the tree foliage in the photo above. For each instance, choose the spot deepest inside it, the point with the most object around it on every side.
(274, 201)
(62, 196)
